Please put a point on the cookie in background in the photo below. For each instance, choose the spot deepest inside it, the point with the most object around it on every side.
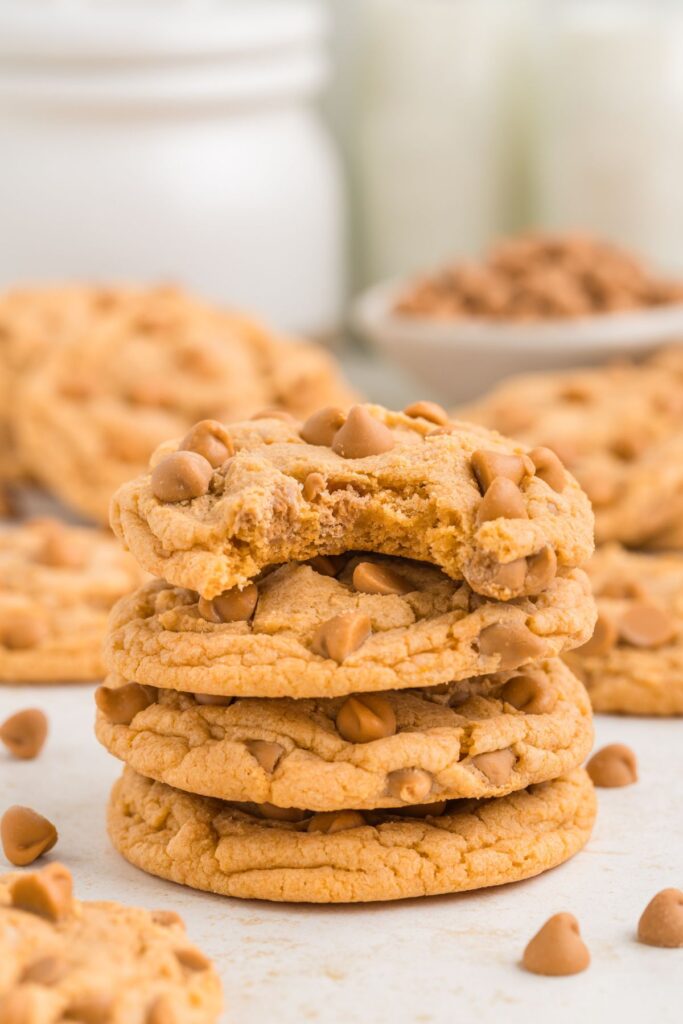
(121, 369)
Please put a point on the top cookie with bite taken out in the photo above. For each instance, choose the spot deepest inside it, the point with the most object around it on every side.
(225, 502)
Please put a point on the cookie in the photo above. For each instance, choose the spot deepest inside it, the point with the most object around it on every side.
(218, 847)
(57, 585)
(618, 429)
(140, 366)
(376, 481)
(32, 322)
(326, 755)
(435, 632)
(634, 661)
(65, 959)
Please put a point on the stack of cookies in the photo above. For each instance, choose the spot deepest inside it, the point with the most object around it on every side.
(345, 682)
(620, 430)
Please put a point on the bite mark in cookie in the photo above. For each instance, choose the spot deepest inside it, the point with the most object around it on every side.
(383, 482)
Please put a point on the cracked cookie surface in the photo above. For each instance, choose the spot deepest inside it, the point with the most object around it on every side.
(279, 498)
(617, 429)
(291, 753)
(428, 636)
(634, 662)
(219, 848)
(135, 367)
(126, 963)
(57, 585)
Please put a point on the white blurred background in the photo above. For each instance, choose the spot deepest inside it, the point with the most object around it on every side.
(281, 154)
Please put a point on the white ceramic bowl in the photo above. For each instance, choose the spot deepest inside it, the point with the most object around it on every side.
(461, 359)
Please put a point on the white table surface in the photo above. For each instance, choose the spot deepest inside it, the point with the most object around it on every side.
(443, 959)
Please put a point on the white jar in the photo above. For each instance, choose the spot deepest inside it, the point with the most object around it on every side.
(609, 136)
(172, 140)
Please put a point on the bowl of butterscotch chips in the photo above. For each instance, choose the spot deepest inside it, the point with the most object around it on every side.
(538, 301)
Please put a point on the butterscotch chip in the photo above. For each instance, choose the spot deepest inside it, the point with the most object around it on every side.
(192, 958)
(327, 565)
(496, 765)
(661, 923)
(181, 476)
(293, 814)
(267, 754)
(365, 717)
(94, 1008)
(433, 810)
(430, 411)
(541, 570)
(513, 642)
(231, 606)
(122, 703)
(612, 766)
(503, 499)
(321, 427)
(605, 636)
(511, 576)
(557, 949)
(646, 625)
(210, 439)
(26, 835)
(362, 435)
(21, 630)
(412, 785)
(549, 468)
(24, 733)
(530, 694)
(47, 893)
(341, 636)
(374, 578)
(314, 484)
(218, 699)
(335, 821)
(488, 465)
(46, 970)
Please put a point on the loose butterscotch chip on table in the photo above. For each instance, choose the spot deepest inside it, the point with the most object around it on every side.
(613, 766)
(661, 923)
(557, 949)
(26, 835)
(24, 733)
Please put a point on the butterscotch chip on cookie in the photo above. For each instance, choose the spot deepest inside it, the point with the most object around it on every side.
(312, 634)
(363, 751)
(66, 960)
(391, 483)
(633, 664)
(57, 585)
(618, 429)
(143, 366)
(222, 848)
